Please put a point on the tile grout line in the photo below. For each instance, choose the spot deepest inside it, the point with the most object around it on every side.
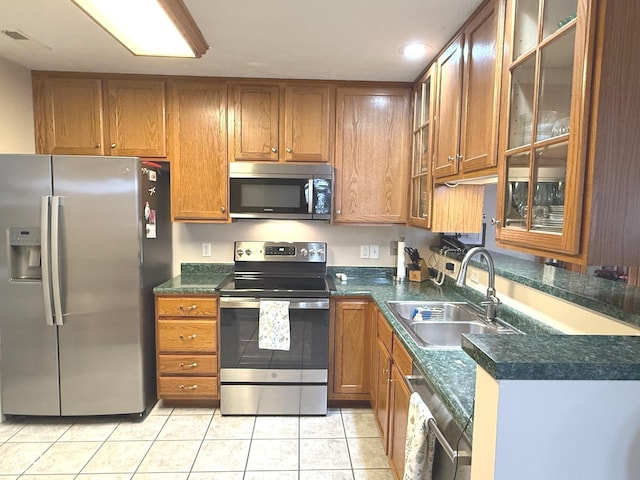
(201, 443)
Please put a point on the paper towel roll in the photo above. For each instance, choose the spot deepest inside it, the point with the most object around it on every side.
(401, 269)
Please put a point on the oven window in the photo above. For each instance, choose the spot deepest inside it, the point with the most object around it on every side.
(309, 341)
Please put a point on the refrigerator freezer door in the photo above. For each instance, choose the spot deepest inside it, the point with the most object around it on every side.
(100, 235)
(28, 346)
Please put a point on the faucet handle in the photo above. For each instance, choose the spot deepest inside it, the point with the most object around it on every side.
(491, 300)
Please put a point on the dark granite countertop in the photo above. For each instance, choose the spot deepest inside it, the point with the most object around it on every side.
(608, 297)
(451, 372)
(196, 279)
(556, 357)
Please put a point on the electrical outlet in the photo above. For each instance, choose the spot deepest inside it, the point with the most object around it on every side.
(374, 251)
(364, 251)
(206, 249)
(474, 277)
(393, 247)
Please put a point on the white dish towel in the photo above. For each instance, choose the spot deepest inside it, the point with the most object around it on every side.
(420, 442)
(274, 331)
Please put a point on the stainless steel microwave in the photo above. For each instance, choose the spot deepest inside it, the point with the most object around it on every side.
(280, 191)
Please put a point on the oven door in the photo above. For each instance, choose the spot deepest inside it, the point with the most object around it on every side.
(256, 381)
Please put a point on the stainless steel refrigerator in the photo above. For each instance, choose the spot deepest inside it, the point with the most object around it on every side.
(83, 241)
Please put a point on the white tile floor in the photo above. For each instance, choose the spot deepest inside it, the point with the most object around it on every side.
(195, 444)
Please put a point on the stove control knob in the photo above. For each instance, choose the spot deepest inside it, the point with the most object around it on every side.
(239, 252)
(320, 252)
(303, 252)
(312, 252)
(248, 251)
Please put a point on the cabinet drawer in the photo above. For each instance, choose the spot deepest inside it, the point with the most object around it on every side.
(187, 364)
(401, 358)
(187, 307)
(385, 334)
(188, 387)
(187, 336)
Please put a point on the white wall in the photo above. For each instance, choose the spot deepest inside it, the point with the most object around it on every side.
(556, 430)
(343, 242)
(16, 109)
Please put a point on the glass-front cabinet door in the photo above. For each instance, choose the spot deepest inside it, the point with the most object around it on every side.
(421, 165)
(542, 126)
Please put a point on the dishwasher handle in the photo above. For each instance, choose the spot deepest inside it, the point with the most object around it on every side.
(461, 457)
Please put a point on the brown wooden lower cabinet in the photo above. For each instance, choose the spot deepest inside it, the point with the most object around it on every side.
(390, 394)
(187, 347)
(350, 352)
(381, 389)
(399, 410)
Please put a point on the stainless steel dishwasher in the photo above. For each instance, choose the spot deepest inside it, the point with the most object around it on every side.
(452, 458)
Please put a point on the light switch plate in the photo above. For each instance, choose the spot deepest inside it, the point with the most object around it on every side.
(206, 249)
(374, 251)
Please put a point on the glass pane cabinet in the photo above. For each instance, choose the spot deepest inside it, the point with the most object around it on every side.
(542, 102)
(421, 179)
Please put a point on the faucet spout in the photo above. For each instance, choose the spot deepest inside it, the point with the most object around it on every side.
(491, 301)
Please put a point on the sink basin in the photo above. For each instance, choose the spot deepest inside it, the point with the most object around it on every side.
(441, 324)
(445, 311)
(446, 334)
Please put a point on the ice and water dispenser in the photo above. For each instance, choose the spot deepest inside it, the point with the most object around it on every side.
(24, 254)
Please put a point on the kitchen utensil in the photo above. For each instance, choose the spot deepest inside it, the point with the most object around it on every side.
(414, 256)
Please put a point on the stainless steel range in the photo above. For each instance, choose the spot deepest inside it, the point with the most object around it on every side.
(264, 381)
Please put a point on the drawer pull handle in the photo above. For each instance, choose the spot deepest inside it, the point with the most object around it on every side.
(188, 337)
(191, 365)
(189, 308)
(192, 387)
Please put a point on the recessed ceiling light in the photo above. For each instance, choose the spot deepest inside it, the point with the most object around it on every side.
(414, 51)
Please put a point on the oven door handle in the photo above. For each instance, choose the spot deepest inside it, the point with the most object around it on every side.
(297, 304)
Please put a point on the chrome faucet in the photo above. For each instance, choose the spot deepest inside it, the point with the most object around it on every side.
(492, 301)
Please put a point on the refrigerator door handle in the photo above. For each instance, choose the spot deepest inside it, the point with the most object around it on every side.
(45, 228)
(55, 258)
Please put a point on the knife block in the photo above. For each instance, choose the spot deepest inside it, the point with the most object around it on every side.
(419, 275)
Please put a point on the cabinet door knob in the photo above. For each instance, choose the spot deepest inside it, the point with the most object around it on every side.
(459, 157)
(289, 150)
(338, 212)
(113, 145)
(495, 221)
(274, 149)
(450, 158)
(222, 209)
(98, 145)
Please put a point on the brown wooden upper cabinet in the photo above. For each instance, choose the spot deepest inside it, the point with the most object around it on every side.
(96, 116)
(443, 208)
(569, 136)
(197, 112)
(421, 196)
(137, 118)
(467, 107)
(373, 130)
(281, 123)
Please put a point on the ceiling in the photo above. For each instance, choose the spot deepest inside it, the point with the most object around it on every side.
(310, 39)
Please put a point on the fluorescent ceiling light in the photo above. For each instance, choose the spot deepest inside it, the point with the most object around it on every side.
(159, 28)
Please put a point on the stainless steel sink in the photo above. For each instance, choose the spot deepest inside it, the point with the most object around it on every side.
(445, 311)
(441, 324)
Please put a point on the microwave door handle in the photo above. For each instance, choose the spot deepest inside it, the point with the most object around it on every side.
(311, 197)
(45, 230)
